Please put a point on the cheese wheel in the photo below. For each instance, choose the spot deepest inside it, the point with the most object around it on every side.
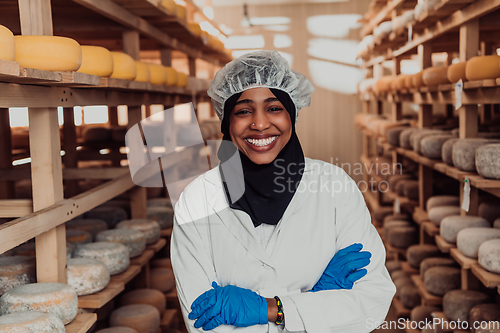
(423, 313)
(181, 12)
(87, 276)
(435, 261)
(182, 80)
(381, 212)
(488, 160)
(485, 313)
(411, 189)
(451, 225)
(458, 303)
(469, 239)
(398, 274)
(409, 296)
(431, 146)
(115, 256)
(8, 49)
(143, 74)
(402, 282)
(96, 60)
(437, 214)
(439, 280)
(404, 137)
(118, 329)
(489, 255)
(109, 214)
(392, 224)
(383, 84)
(396, 217)
(483, 68)
(446, 151)
(150, 228)
(489, 210)
(169, 5)
(78, 237)
(172, 77)
(31, 322)
(464, 153)
(96, 134)
(56, 298)
(141, 317)
(402, 237)
(159, 202)
(93, 226)
(16, 271)
(456, 72)
(162, 279)
(408, 82)
(418, 79)
(393, 266)
(163, 215)
(416, 253)
(194, 28)
(134, 240)
(393, 135)
(158, 73)
(123, 66)
(395, 179)
(146, 296)
(435, 75)
(49, 53)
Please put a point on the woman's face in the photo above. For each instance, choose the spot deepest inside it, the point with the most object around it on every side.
(259, 125)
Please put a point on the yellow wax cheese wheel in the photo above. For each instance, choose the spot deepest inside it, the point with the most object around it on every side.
(457, 72)
(7, 44)
(408, 84)
(96, 60)
(170, 5)
(182, 80)
(483, 68)
(435, 75)
(383, 84)
(172, 76)
(417, 80)
(181, 12)
(195, 28)
(143, 74)
(158, 73)
(48, 53)
(123, 66)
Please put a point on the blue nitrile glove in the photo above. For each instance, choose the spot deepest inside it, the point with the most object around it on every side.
(344, 269)
(229, 305)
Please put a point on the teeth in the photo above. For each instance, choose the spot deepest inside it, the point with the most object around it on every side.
(261, 142)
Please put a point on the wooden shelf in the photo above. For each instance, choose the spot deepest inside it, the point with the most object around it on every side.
(401, 310)
(158, 245)
(126, 276)
(98, 300)
(391, 248)
(143, 259)
(166, 232)
(405, 266)
(172, 299)
(443, 245)
(420, 215)
(430, 228)
(489, 279)
(428, 298)
(169, 319)
(82, 323)
(463, 261)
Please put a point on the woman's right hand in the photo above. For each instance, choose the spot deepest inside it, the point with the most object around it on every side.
(345, 268)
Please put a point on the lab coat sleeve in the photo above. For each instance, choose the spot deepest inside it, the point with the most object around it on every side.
(192, 263)
(365, 306)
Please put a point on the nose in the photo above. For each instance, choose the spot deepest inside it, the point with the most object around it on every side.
(260, 120)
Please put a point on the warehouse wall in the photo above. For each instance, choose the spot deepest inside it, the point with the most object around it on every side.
(322, 49)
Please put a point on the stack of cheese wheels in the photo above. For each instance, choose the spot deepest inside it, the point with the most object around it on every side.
(78, 237)
(447, 150)
(170, 5)
(146, 296)
(469, 239)
(451, 225)
(93, 226)
(458, 303)
(195, 28)
(56, 298)
(8, 49)
(404, 137)
(96, 60)
(16, 271)
(158, 73)
(115, 256)
(464, 153)
(181, 12)
(409, 296)
(435, 75)
(393, 266)
(118, 329)
(393, 135)
(439, 280)
(162, 279)
(143, 74)
(123, 66)
(416, 253)
(402, 237)
(483, 68)
(431, 146)
(150, 228)
(31, 321)
(172, 76)
(87, 276)
(182, 80)
(163, 215)
(141, 317)
(49, 53)
(159, 202)
(111, 215)
(395, 223)
(435, 261)
(437, 214)
(489, 210)
(456, 72)
(134, 240)
(489, 255)
(488, 160)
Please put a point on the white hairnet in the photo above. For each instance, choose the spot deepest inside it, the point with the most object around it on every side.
(255, 70)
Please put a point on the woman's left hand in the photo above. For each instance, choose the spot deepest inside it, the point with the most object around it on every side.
(229, 305)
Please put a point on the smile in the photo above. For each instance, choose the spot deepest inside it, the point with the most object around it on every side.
(261, 142)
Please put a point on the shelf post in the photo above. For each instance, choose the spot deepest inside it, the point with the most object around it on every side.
(69, 146)
(35, 17)
(131, 44)
(7, 189)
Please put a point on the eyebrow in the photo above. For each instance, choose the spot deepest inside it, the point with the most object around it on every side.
(249, 101)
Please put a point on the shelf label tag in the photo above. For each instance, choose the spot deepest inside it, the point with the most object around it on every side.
(397, 206)
(466, 198)
(410, 33)
(459, 89)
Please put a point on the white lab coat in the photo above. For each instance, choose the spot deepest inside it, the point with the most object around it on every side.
(212, 242)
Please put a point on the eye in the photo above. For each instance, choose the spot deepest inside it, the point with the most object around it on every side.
(275, 109)
(241, 112)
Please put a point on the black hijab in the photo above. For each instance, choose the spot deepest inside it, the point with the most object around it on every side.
(269, 188)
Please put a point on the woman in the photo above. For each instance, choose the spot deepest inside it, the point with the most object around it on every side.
(285, 254)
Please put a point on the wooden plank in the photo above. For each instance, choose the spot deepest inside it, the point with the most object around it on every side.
(8, 69)
(82, 323)
(431, 229)
(443, 245)
(169, 319)
(391, 248)
(127, 276)
(95, 173)
(172, 299)
(483, 183)
(420, 215)
(131, 44)
(99, 299)
(158, 245)
(425, 182)
(16, 207)
(457, 174)
(143, 259)
(401, 310)
(405, 266)
(166, 232)
(69, 146)
(7, 189)
(489, 279)
(428, 298)
(463, 261)
(35, 17)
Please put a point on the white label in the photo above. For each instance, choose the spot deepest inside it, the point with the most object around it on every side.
(466, 199)
(397, 206)
(410, 33)
(459, 89)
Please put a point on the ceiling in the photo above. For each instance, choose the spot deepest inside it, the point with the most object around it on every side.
(219, 3)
